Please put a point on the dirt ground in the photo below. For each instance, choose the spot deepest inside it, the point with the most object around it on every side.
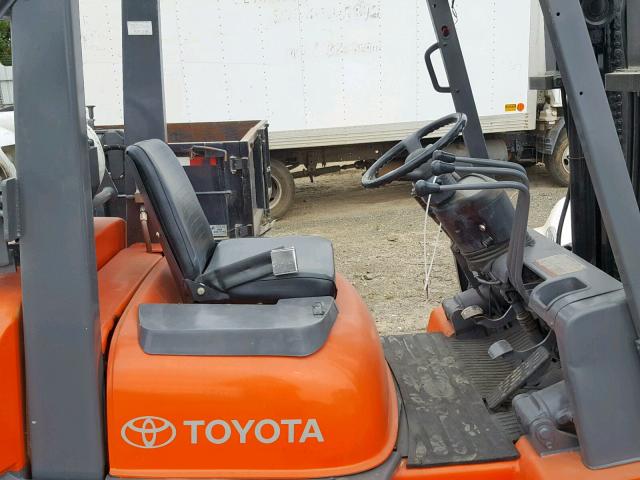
(378, 241)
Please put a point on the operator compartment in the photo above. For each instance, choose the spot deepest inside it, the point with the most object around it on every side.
(192, 392)
(545, 337)
(245, 357)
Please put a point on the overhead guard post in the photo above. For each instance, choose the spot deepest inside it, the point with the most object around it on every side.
(457, 76)
(581, 77)
(62, 350)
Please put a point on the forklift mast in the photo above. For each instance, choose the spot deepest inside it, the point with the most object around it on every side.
(615, 39)
(602, 178)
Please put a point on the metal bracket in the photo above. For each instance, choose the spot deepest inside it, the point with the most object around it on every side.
(238, 164)
(542, 413)
(242, 231)
(9, 209)
(284, 261)
(547, 81)
(210, 152)
(625, 80)
(508, 317)
(9, 221)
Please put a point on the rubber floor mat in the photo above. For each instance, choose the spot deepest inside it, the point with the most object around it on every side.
(484, 372)
(447, 419)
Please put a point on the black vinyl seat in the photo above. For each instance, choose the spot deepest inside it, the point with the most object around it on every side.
(236, 269)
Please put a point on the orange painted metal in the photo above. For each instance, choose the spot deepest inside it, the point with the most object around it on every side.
(110, 235)
(118, 280)
(345, 387)
(479, 471)
(121, 273)
(439, 323)
(12, 432)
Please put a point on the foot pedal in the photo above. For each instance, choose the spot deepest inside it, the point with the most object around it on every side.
(500, 349)
(518, 377)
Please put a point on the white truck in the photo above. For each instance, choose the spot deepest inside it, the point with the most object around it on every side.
(337, 79)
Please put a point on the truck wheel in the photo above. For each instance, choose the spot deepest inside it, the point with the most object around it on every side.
(7, 169)
(558, 163)
(283, 189)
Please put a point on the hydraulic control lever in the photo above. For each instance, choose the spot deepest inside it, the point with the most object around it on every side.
(447, 164)
(446, 157)
(438, 167)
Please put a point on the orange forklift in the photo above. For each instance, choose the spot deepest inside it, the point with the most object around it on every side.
(251, 358)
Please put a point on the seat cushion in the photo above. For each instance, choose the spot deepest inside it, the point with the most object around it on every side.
(316, 271)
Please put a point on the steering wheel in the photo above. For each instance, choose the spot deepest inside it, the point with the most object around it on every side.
(418, 154)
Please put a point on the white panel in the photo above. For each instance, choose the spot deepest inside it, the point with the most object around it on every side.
(429, 103)
(314, 65)
(495, 41)
(511, 58)
(397, 60)
(100, 26)
(176, 99)
(360, 49)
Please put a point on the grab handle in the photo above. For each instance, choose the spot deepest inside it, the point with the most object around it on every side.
(432, 71)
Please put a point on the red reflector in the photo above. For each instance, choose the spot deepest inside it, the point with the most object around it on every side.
(520, 107)
(196, 161)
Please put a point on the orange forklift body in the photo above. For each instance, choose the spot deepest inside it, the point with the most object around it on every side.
(337, 411)
(12, 434)
(120, 272)
(357, 437)
(286, 405)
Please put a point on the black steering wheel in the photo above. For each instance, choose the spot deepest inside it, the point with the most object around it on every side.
(418, 154)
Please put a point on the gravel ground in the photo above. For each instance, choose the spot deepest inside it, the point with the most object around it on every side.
(378, 241)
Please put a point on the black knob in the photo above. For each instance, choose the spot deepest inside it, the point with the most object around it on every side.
(444, 156)
(438, 167)
(424, 188)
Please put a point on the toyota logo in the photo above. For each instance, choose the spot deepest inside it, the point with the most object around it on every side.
(148, 432)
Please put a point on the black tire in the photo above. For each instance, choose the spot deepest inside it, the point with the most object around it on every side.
(283, 189)
(558, 163)
(7, 169)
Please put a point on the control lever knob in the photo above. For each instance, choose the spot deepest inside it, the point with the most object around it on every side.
(438, 167)
(424, 188)
(444, 156)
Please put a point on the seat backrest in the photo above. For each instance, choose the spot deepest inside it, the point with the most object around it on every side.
(172, 200)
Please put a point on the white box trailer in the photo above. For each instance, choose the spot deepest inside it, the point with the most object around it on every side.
(334, 78)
